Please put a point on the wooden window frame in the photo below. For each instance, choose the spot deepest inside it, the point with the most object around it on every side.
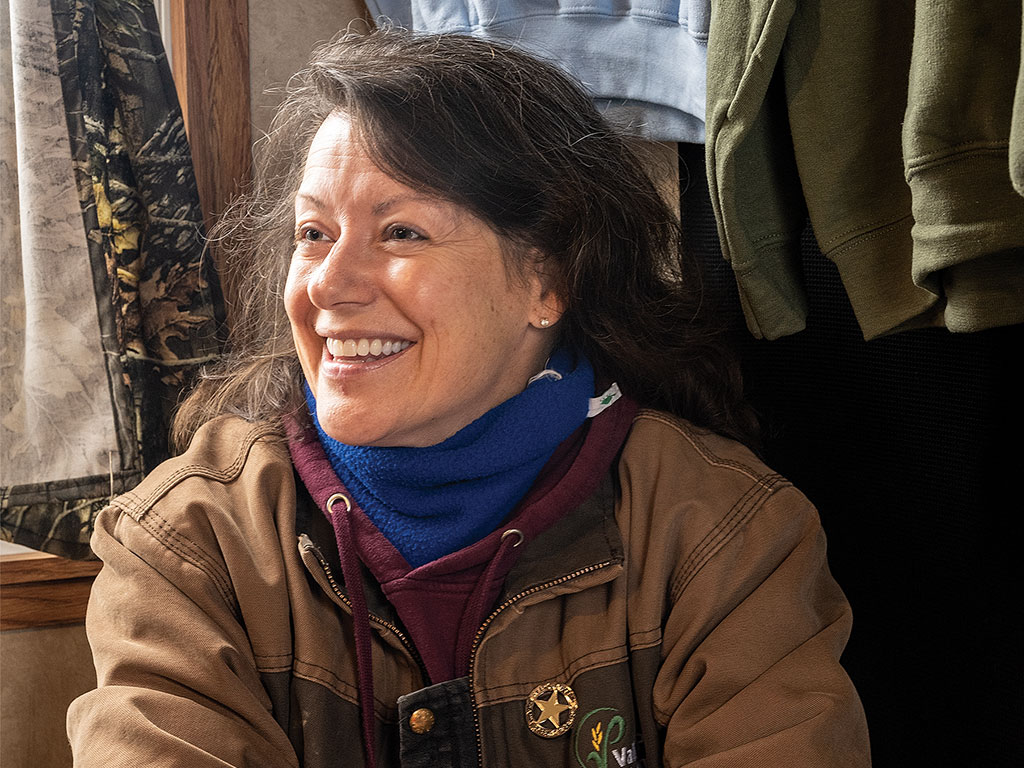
(210, 55)
(210, 58)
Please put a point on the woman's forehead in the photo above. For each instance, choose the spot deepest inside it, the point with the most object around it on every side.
(337, 136)
(338, 163)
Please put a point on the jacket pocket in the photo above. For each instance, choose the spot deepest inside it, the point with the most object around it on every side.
(588, 720)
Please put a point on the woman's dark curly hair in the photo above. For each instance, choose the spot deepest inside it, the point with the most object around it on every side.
(519, 144)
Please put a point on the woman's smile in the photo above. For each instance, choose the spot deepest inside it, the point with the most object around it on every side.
(363, 349)
(345, 357)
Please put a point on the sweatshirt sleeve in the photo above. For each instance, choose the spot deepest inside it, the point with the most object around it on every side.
(178, 684)
(751, 165)
(750, 672)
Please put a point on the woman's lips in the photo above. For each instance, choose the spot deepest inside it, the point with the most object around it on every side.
(364, 349)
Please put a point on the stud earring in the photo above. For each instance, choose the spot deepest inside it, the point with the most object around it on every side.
(544, 322)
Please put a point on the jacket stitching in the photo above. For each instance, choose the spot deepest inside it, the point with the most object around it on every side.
(722, 534)
(967, 150)
(571, 675)
(741, 511)
(708, 542)
(338, 686)
(170, 541)
(142, 511)
(865, 237)
(270, 656)
(784, 238)
(191, 552)
(864, 229)
(199, 470)
(701, 448)
(188, 544)
(643, 639)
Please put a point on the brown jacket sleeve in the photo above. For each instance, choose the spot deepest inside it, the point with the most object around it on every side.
(751, 672)
(178, 683)
(728, 561)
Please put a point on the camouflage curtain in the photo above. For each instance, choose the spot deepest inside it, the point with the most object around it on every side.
(108, 306)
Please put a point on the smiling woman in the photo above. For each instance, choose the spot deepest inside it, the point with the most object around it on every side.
(375, 263)
(470, 488)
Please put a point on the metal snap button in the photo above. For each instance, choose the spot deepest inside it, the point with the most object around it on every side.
(421, 721)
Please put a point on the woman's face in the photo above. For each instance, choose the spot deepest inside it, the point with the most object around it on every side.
(406, 323)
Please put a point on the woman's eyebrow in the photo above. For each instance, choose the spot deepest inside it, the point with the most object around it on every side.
(316, 201)
(391, 202)
(382, 207)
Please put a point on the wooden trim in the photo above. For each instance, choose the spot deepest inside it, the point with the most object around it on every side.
(40, 590)
(210, 44)
(179, 61)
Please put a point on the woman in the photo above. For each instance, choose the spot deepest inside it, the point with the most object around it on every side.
(422, 519)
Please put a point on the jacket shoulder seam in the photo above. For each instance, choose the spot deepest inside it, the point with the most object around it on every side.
(139, 504)
(739, 515)
(765, 479)
(167, 536)
(143, 511)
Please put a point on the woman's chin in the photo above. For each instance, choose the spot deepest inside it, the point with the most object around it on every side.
(352, 431)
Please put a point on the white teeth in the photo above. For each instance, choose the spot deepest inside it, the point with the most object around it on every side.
(365, 347)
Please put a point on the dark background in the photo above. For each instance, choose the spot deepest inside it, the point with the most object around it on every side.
(910, 447)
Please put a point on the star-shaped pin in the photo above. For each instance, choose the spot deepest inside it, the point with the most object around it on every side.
(551, 709)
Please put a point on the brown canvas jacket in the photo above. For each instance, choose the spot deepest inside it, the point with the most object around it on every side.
(684, 615)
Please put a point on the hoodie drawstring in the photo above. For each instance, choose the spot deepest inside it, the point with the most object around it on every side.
(481, 597)
(350, 570)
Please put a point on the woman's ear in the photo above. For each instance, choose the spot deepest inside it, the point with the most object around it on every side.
(548, 296)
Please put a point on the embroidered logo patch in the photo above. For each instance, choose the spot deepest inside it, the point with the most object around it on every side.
(551, 709)
(601, 737)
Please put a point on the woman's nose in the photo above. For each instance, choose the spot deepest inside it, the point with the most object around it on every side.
(341, 277)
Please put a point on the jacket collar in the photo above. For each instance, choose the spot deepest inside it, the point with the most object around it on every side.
(580, 541)
(312, 525)
(584, 539)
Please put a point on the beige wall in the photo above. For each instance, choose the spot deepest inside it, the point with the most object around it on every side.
(281, 37)
(41, 672)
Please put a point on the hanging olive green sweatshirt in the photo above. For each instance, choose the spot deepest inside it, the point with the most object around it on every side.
(888, 123)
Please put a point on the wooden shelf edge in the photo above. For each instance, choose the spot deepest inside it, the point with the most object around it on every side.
(39, 567)
(39, 590)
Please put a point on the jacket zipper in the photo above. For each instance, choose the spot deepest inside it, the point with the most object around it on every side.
(348, 603)
(487, 622)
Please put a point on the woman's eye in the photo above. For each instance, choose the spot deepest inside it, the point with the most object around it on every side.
(398, 232)
(312, 235)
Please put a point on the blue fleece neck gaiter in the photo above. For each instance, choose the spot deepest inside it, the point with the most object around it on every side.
(430, 502)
